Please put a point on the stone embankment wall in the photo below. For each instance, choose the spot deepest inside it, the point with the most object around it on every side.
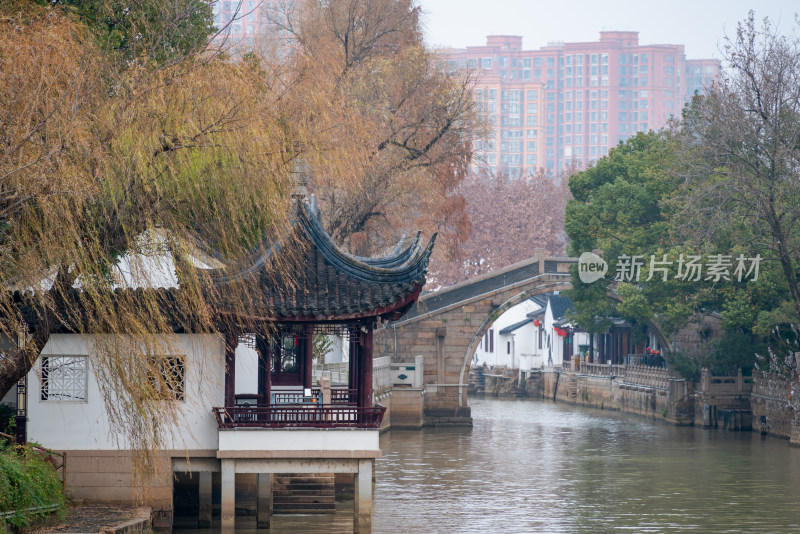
(406, 409)
(771, 404)
(761, 403)
(647, 391)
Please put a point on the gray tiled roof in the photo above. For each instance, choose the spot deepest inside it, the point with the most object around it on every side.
(559, 305)
(509, 329)
(310, 278)
(305, 278)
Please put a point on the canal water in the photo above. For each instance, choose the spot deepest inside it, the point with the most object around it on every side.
(535, 466)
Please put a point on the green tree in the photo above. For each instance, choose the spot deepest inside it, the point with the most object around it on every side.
(623, 206)
(723, 182)
(148, 31)
(631, 205)
(740, 146)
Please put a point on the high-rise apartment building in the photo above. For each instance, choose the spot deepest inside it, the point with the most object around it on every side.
(573, 101)
(240, 22)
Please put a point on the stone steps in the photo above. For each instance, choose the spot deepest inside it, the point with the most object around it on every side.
(304, 494)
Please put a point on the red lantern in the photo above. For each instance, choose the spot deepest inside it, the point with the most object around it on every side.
(536, 323)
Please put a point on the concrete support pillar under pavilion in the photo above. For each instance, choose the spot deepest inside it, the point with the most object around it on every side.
(204, 508)
(264, 506)
(228, 496)
(362, 506)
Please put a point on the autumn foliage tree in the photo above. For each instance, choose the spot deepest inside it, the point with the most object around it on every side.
(511, 219)
(391, 128)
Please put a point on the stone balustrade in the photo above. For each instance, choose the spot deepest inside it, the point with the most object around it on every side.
(645, 375)
(601, 369)
(725, 385)
(381, 374)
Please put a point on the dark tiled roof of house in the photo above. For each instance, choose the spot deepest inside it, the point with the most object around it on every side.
(559, 306)
(541, 300)
(516, 326)
(536, 313)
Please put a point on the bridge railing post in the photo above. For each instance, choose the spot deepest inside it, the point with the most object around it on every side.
(540, 254)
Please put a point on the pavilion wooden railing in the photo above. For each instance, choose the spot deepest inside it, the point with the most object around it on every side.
(300, 416)
(339, 395)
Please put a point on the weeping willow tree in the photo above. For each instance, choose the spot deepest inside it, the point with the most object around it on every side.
(118, 171)
(132, 157)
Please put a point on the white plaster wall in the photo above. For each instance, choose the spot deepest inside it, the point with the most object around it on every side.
(522, 340)
(339, 351)
(246, 370)
(553, 342)
(245, 439)
(533, 357)
(71, 425)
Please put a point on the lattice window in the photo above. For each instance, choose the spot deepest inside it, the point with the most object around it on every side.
(64, 378)
(167, 376)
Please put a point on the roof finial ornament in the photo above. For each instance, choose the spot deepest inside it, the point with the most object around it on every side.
(301, 177)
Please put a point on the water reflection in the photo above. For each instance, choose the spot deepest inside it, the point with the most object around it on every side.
(534, 466)
(531, 466)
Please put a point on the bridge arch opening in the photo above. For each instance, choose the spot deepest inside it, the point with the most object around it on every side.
(483, 328)
(446, 327)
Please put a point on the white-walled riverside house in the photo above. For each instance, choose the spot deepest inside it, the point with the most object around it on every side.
(247, 401)
(531, 335)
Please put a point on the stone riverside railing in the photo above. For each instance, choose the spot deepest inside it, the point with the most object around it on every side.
(385, 374)
(381, 374)
(643, 375)
(601, 369)
(725, 385)
(337, 372)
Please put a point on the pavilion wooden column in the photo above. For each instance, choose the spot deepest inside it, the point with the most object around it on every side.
(365, 371)
(263, 348)
(231, 340)
(354, 354)
(308, 354)
(590, 359)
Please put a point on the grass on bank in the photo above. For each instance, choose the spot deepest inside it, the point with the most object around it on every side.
(29, 485)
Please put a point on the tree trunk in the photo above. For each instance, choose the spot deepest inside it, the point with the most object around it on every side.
(18, 362)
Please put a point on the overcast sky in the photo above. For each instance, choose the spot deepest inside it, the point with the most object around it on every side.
(698, 24)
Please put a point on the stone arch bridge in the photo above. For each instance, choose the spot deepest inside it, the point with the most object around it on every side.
(446, 327)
